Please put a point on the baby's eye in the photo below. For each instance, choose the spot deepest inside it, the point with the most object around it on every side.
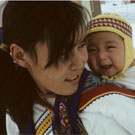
(111, 47)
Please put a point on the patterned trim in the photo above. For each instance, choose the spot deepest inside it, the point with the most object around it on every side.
(111, 22)
(42, 115)
(45, 125)
(90, 95)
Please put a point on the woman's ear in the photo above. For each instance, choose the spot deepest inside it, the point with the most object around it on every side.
(18, 55)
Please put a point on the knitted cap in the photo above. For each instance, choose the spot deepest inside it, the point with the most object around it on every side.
(117, 24)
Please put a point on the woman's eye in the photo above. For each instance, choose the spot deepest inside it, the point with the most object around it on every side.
(82, 44)
(91, 49)
(62, 59)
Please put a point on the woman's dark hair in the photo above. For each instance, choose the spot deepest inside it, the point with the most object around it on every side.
(26, 23)
(56, 23)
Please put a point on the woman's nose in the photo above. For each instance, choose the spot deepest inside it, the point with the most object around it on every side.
(79, 59)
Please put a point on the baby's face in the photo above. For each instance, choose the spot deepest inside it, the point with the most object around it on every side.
(106, 53)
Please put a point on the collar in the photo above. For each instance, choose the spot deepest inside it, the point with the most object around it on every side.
(115, 77)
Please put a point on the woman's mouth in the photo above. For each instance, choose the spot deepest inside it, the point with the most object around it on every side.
(73, 79)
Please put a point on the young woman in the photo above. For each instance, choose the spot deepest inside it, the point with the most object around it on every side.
(43, 54)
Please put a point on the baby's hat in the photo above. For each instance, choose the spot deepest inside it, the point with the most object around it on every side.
(117, 24)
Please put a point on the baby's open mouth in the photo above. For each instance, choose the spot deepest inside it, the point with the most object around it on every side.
(106, 66)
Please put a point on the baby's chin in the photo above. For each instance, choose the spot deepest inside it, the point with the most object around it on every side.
(101, 74)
